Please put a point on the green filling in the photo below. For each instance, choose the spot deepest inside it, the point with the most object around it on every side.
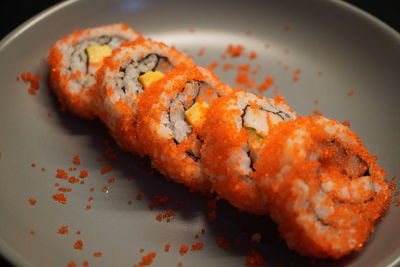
(253, 134)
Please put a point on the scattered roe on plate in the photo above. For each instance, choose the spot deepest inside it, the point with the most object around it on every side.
(148, 259)
(32, 201)
(197, 246)
(213, 65)
(106, 168)
(266, 84)
(63, 230)
(32, 232)
(71, 264)
(255, 259)
(34, 81)
(76, 160)
(350, 92)
(222, 242)
(60, 197)
(97, 254)
(78, 244)
(183, 249)
(83, 173)
(167, 247)
(234, 50)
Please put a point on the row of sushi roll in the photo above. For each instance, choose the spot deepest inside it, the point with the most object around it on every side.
(312, 175)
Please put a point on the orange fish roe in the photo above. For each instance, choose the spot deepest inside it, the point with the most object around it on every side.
(90, 198)
(71, 264)
(253, 55)
(130, 202)
(268, 82)
(234, 50)
(43, 169)
(60, 197)
(63, 230)
(180, 264)
(32, 232)
(346, 123)
(201, 52)
(255, 259)
(110, 154)
(141, 250)
(76, 160)
(91, 189)
(222, 242)
(106, 169)
(166, 215)
(64, 189)
(227, 66)
(34, 81)
(56, 184)
(78, 244)
(212, 216)
(111, 180)
(104, 189)
(32, 201)
(83, 174)
(33, 165)
(213, 65)
(197, 246)
(243, 67)
(148, 259)
(317, 112)
(62, 174)
(88, 207)
(167, 247)
(73, 180)
(242, 78)
(139, 196)
(158, 200)
(295, 78)
(78, 232)
(183, 249)
(350, 92)
(97, 254)
(196, 236)
(85, 264)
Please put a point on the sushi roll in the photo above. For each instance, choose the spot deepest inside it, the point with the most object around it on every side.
(124, 77)
(75, 59)
(233, 135)
(170, 116)
(323, 188)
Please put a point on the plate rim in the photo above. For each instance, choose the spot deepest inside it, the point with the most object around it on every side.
(11, 255)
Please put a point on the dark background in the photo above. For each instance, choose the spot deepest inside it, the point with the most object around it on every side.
(13, 13)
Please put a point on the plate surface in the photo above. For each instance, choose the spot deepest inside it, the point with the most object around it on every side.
(338, 49)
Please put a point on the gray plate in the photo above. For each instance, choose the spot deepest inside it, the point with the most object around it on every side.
(353, 50)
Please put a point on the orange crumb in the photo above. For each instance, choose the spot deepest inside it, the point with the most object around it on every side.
(201, 51)
(141, 250)
(64, 189)
(254, 258)
(71, 264)
(295, 78)
(76, 160)
(234, 51)
(90, 198)
(97, 254)
(91, 189)
(197, 246)
(56, 184)
(183, 249)
(60, 197)
(73, 180)
(222, 242)
(105, 169)
(33, 165)
(268, 82)
(78, 244)
(242, 78)
(85, 264)
(43, 169)
(34, 81)
(83, 174)
(253, 55)
(350, 92)
(243, 67)
(104, 189)
(317, 112)
(88, 207)
(111, 180)
(159, 217)
(167, 247)
(78, 232)
(227, 66)
(32, 232)
(63, 230)
(82, 182)
(32, 201)
(212, 216)
(213, 65)
(148, 259)
(139, 196)
(297, 71)
(62, 174)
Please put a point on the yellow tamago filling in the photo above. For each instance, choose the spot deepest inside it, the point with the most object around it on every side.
(97, 53)
(196, 114)
(149, 77)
